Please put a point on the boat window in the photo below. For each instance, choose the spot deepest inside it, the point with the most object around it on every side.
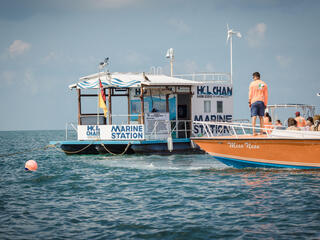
(207, 106)
(136, 107)
(219, 107)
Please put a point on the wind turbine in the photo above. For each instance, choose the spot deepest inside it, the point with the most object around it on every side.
(230, 33)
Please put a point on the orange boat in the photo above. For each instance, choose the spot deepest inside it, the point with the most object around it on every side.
(279, 148)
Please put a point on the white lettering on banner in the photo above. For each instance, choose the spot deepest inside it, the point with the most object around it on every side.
(111, 132)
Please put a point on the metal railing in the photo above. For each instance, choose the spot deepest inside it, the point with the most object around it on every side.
(161, 129)
(219, 77)
(71, 126)
(174, 128)
(214, 129)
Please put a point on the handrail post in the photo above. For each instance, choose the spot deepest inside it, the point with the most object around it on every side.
(185, 129)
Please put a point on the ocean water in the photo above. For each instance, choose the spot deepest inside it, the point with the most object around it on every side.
(148, 197)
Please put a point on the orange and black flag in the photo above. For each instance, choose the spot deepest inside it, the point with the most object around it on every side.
(102, 99)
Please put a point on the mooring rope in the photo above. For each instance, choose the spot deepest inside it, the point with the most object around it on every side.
(116, 154)
(25, 151)
(69, 152)
(61, 150)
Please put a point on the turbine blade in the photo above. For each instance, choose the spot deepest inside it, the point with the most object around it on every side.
(228, 36)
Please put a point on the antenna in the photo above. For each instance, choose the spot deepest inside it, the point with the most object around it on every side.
(170, 54)
(103, 64)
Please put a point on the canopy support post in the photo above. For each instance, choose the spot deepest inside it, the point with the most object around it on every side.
(167, 102)
(79, 106)
(110, 107)
(128, 106)
(142, 105)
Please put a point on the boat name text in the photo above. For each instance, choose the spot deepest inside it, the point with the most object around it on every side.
(245, 145)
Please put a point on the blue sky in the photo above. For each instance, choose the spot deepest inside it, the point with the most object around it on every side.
(47, 45)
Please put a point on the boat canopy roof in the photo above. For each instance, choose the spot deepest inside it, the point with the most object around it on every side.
(129, 80)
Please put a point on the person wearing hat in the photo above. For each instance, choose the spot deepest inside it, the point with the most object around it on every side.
(258, 100)
(301, 122)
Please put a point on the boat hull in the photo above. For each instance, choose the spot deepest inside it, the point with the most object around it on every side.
(95, 149)
(162, 148)
(263, 152)
(180, 146)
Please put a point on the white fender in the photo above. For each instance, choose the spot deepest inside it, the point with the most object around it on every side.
(170, 143)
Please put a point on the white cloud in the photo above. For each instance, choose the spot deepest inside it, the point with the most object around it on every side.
(113, 3)
(21, 79)
(8, 77)
(179, 25)
(135, 58)
(18, 47)
(30, 82)
(283, 60)
(51, 56)
(209, 67)
(190, 66)
(256, 35)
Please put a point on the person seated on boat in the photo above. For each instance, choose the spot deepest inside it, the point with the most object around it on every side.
(301, 122)
(309, 124)
(316, 125)
(258, 100)
(278, 123)
(267, 121)
(292, 124)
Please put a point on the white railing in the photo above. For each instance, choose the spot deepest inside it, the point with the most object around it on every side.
(219, 77)
(237, 130)
(161, 129)
(71, 126)
(174, 128)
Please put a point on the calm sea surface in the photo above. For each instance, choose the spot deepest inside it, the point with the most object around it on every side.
(148, 197)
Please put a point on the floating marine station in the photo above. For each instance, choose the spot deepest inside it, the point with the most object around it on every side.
(158, 111)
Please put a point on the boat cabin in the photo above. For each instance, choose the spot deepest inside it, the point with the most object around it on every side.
(159, 109)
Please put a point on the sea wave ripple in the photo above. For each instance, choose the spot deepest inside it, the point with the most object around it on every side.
(148, 197)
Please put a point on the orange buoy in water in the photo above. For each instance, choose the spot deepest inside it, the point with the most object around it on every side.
(31, 165)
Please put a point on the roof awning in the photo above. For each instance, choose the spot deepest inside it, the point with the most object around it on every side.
(129, 80)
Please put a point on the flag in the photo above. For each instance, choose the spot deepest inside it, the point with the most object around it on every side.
(102, 99)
